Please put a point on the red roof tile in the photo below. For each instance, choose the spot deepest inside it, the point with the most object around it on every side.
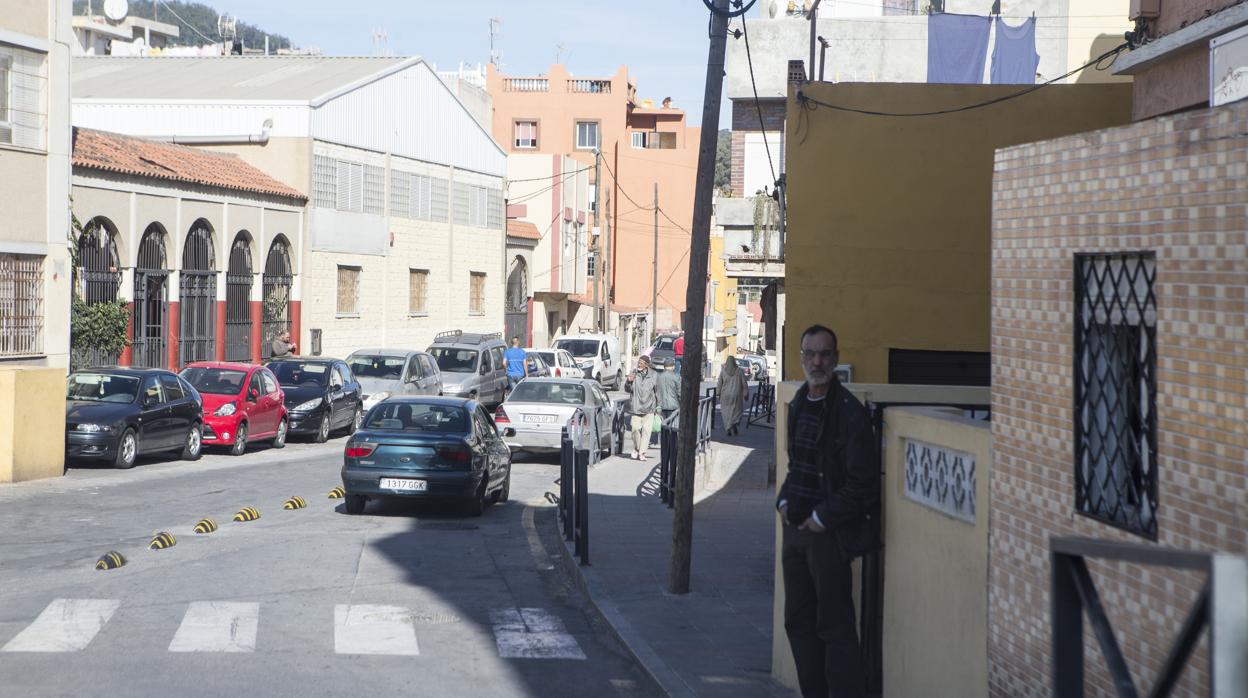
(112, 152)
(523, 229)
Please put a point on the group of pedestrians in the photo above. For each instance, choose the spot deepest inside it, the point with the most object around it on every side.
(655, 389)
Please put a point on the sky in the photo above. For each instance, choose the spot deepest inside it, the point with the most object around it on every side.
(663, 42)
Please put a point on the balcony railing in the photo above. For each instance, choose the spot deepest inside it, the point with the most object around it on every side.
(526, 85)
(601, 87)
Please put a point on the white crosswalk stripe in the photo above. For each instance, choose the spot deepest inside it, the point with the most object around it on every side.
(66, 625)
(532, 633)
(217, 626)
(370, 629)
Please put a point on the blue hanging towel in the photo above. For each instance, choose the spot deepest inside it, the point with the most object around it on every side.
(957, 48)
(1014, 58)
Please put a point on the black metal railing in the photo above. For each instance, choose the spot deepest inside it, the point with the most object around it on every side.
(762, 410)
(620, 424)
(574, 494)
(668, 445)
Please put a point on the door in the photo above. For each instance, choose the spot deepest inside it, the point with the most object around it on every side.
(433, 375)
(181, 409)
(238, 282)
(337, 398)
(497, 451)
(346, 396)
(258, 420)
(604, 415)
(271, 399)
(154, 418)
(415, 382)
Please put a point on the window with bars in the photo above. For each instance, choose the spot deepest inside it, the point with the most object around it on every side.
(591, 264)
(21, 304)
(348, 290)
(476, 292)
(417, 288)
(23, 77)
(526, 134)
(1115, 382)
(586, 135)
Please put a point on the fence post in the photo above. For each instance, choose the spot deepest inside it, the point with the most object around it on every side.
(565, 483)
(582, 504)
(1067, 631)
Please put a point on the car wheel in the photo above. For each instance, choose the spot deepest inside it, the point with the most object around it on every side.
(240, 440)
(127, 450)
(322, 433)
(476, 505)
(355, 421)
(355, 504)
(193, 448)
(279, 441)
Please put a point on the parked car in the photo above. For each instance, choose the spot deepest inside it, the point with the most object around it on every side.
(118, 414)
(471, 365)
(242, 403)
(538, 408)
(758, 365)
(561, 363)
(427, 447)
(322, 395)
(663, 347)
(537, 366)
(598, 355)
(746, 367)
(383, 373)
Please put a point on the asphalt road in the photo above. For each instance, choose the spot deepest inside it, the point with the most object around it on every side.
(406, 598)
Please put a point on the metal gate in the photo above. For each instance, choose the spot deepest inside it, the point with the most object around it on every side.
(516, 315)
(238, 301)
(98, 279)
(278, 276)
(197, 291)
(151, 289)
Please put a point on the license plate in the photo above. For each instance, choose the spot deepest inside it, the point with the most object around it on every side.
(540, 418)
(394, 483)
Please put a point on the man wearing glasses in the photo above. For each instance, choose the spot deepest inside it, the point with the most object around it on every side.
(829, 505)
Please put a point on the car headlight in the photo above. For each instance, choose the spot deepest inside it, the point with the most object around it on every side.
(225, 410)
(307, 406)
(94, 428)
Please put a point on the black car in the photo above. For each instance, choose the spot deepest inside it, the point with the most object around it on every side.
(427, 447)
(322, 395)
(116, 414)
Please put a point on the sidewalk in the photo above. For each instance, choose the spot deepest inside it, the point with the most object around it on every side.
(716, 640)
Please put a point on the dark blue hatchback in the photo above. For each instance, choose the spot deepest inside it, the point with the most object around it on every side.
(427, 447)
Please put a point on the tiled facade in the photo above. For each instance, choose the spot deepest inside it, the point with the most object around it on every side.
(1178, 187)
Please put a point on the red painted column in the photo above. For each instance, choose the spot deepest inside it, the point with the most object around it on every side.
(296, 326)
(127, 352)
(556, 225)
(175, 325)
(220, 332)
(257, 330)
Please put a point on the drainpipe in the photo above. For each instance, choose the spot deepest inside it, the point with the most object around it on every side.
(823, 56)
(813, 16)
(261, 138)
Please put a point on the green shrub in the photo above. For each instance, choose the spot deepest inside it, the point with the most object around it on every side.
(100, 326)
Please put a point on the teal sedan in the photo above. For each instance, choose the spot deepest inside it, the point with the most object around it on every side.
(424, 447)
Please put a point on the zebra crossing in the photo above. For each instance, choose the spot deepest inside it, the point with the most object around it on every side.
(71, 625)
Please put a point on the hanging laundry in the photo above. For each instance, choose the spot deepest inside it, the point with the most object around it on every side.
(1014, 57)
(957, 48)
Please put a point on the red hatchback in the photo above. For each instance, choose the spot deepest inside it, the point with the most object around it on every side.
(242, 403)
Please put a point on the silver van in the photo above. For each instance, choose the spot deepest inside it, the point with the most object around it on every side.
(471, 365)
(383, 373)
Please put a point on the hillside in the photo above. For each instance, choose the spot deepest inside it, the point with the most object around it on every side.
(198, 15)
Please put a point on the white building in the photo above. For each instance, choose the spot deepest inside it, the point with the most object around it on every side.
(403, 235)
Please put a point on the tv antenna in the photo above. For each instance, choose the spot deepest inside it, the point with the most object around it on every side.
(560, 49)
(496, 57)
(227, 27)
(381, 39)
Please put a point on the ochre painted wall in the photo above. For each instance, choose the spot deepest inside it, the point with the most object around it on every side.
(889, 218)
(32, 436)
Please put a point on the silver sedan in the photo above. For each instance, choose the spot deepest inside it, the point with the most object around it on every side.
(538, 409)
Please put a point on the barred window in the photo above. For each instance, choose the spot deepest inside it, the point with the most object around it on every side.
(374, 190)
(21, 304)
(476, 293)
(418, 286)
(324, 182)
(23, 77)
(1115, 381)
(348, 290)
(591, 261)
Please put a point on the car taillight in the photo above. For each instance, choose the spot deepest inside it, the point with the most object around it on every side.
(500, 416)
(456, 454)
(360, 450)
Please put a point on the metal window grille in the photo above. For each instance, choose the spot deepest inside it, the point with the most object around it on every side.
(374, 190)
(238, 280)
(151, 295)
(1115, 376)
(518, 286)
(348, 290)
(324, 182)
(591, 264)
(476, 298)
(462, 197)
(197, 292)
(21, 304)
(23, 81)
(278, 278)
(417, 281)
(494, 209)
(422, 195)
(98, 280)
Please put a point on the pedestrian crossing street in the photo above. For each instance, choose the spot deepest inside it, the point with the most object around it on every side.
(70, 625)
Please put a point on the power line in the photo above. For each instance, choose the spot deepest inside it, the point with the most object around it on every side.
(745, 30)
(188, 24)
(538, 179)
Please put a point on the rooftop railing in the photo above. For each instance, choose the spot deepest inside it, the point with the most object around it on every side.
(589, 86)
(526, 85)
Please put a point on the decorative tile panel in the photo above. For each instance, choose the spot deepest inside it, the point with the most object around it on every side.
(941, 478)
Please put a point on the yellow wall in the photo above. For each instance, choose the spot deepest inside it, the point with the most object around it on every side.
(32, 443)
(725, 300)
(889, 218)
(1096, 26)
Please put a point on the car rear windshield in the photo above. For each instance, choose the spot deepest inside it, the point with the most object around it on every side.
(664, 343)
(580, 348)
(297, 373)
(548, 391)
(215, 381)
(547, 356)
(455, 360)
(102, 387)
(408, 416)
(384, 367)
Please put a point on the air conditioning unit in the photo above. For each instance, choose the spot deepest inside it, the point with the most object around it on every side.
(1145, 9)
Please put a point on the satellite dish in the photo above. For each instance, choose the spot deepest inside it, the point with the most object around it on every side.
(116, 10)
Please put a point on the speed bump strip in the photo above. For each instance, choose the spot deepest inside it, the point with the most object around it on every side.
(111, 560)
(247, 514)
(295, 503)
(162, 540)
(205, 526)
(337, 493)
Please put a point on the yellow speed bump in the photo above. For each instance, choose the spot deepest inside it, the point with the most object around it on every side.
(111, 560)
(247, 514)
(162, 540)
(205, 526)
(337, 493)
(295, 503)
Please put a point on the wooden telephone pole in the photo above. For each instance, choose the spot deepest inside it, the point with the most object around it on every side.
(695, 301)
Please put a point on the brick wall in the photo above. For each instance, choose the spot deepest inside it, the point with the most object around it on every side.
(745, 120)
(1177, 186)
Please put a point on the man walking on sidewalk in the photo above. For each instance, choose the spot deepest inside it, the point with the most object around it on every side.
(642, 384)
(516, 361)
(829, 504)
(678, 348)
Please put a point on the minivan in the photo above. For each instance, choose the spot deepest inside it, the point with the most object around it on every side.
(471, 365)
(598, 356)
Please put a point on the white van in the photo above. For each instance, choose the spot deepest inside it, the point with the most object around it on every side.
(598, 356)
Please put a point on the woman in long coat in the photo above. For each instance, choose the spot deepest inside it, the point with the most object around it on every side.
(732, 391)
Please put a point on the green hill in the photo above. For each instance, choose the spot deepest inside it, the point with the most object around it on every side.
(198, 15)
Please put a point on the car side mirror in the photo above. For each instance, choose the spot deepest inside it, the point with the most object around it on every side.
(509, 432)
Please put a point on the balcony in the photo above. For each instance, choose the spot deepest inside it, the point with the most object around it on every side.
(526, 85)
(589, 86)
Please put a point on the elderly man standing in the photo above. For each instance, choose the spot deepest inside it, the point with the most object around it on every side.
(642, 384)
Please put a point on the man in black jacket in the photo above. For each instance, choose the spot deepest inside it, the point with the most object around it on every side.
(828, 503)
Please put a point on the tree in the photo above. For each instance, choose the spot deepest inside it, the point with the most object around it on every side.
(201, 17)
(723, 162)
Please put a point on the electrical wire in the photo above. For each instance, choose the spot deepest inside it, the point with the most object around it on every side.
(745, 31)
(538, 179)
(188, 24)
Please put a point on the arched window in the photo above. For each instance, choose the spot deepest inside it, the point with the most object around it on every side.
(518, 286)
(198, 293)
(151, 293)
(238, 300)
(99, 269)
(278, 277)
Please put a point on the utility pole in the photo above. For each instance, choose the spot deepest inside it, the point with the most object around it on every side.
(695, 301)
(598, 242)
(604, 264)
(654, 295)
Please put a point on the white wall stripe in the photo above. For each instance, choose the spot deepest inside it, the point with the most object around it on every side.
(66, 625)
(217, 626)
(369, 629)
(532, 633)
